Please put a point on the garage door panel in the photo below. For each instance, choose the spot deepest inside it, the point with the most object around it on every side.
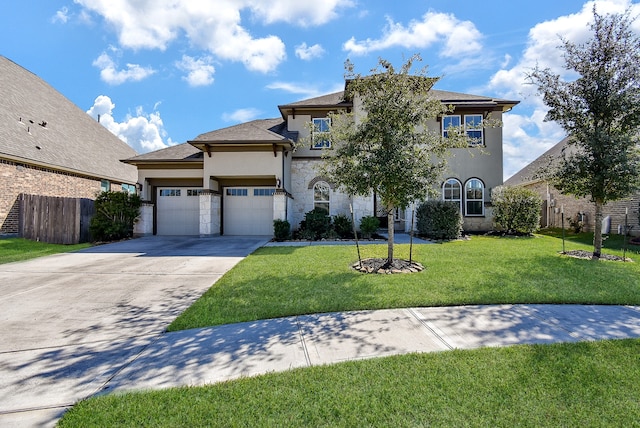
(248, 211)
(178, 211)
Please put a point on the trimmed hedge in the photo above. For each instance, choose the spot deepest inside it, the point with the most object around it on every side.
(438, 219)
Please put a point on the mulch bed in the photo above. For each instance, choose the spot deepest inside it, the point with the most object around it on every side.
(376, 265)
(581, 254)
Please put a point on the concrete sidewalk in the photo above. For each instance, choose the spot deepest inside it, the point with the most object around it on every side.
(208, 355)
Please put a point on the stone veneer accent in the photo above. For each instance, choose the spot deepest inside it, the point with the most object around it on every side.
(303, 176)
(209, 213)
(144, 225)
(17, 178)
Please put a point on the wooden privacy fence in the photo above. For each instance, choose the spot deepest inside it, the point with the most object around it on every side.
(55, 220)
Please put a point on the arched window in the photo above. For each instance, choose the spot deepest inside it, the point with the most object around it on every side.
(474, 197)
(321, 191)
(452, 191)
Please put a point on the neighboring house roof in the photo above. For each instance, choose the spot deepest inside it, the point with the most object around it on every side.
(184, 152)
(40, 126)
(528, 174)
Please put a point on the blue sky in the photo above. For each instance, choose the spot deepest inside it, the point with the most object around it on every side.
(161, 72)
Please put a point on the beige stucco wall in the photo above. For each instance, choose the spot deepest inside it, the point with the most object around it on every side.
(145, 175)
(243, 164)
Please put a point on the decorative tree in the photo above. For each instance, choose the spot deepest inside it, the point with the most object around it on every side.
(600, 111)
(384, 146)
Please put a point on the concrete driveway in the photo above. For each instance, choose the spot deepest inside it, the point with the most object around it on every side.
(70, 322)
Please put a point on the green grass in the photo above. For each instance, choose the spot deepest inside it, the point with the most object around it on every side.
(284, 281)
(18, 249)
(582, 384)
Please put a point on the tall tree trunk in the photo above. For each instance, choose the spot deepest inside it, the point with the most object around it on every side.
(597, 232)
(390, 225)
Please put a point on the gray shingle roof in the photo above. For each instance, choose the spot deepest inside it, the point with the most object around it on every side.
(180, 152)
(39, 125)
(256, 131)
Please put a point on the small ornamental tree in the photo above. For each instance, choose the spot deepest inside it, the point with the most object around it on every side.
(384, 146)
(115, 214)
(600, 111)
(516, 209)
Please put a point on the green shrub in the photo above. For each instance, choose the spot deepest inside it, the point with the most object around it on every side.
(438, 219)
(343, 226)
(115, 214)
(316, 224)
(368, 226)
(516, 209)
(281, 230)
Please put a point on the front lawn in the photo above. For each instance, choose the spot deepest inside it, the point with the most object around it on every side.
(18, 249)
(580, 384)
(284, 281)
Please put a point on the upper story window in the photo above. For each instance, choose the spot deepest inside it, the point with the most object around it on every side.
(472, 127)
(452, 191)
(320, 126)
(474, 197)
(105, 185)
(449, 122)
(321, 192)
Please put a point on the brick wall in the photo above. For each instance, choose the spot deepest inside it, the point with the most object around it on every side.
(16, 178)
(572, 206)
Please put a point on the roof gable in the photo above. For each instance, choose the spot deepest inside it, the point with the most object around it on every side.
(39, 125)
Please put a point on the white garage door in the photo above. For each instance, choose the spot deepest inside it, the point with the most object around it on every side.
(178, 211)
(248, 211)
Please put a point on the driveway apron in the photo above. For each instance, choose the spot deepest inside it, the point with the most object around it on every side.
(70, 322)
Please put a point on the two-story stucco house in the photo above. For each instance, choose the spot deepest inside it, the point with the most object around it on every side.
(237, 180)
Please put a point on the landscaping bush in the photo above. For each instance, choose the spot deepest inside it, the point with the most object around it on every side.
(368, 226)
(281, 230)
(343, 226)
(115, 214)
(315, 225)
(516, 209)
(438, 219)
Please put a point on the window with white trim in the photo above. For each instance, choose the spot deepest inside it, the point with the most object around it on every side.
(237, 192)
(319, 138)
(170, 192)
(449, 122)
(473, 128)
(474, 197)
(452, 191)
(263, 192)
(321, 199)
(105, 185)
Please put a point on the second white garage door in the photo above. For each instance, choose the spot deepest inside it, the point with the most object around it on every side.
(248, 211)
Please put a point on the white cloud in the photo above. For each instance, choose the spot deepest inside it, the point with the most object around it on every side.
(241, 115)
(296, 88)
(527, 135)
(110, 74)
(212, 26)
(143, 132)
(457, 37)
(307, 53)
(303, 13)
(61, 16)
(199, 71)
